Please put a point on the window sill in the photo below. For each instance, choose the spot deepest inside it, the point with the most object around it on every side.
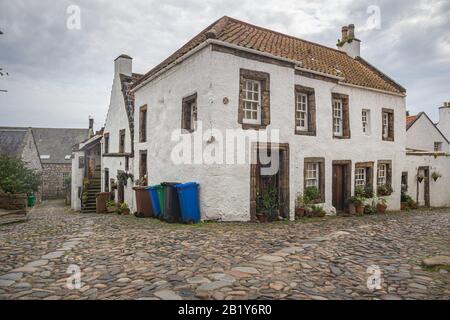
(341, 137)
(249, 126)
(305, 133)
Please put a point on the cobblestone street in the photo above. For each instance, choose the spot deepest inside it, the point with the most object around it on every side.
(129, 258)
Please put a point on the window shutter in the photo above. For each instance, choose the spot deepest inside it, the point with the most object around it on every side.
(312, 114)
(389, 174)
(241, 100)
(391, 126)
(346, 118)
(265, 106)
(322, 181)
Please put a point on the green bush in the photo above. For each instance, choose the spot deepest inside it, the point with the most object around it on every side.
(15, 177)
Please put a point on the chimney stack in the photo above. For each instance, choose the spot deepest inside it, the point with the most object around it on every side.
(91, 123)
(349, 43)
(444, 119)
(123, 65)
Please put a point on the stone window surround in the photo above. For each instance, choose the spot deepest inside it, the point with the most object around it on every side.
(186, 113)
(106, 144)
(122, 134)
(369, 166)
(310, 92)
(391, 129)
(264, 78)
(143, 124)
(142, 165)
(388, 164)
(321, 162)
(346, 132)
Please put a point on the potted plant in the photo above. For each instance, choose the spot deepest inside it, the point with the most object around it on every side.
(122, 178)
(312, 194)
(436, 175)
(406, 202)
(368, 192)
(358, 203)
(268, 206)
(123, 209)
(111, 206)
(317, 212)
(369, 210)
(381, 205)
(300, 205)
(385, 190)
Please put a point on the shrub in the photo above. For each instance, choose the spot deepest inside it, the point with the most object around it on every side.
(311, 194)
(15, 177)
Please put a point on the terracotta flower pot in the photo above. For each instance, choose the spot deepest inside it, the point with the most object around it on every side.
(404, 205)
(381, 208)
(299, 212)
(359, 210)
(263, 218)
(126, 212)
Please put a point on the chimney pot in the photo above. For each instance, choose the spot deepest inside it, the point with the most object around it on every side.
(351, 31)
(344, 33)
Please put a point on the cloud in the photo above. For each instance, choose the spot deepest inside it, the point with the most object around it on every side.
(58, 77)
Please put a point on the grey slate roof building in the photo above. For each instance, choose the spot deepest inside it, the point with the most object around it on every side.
(54, 144)
(12, 142)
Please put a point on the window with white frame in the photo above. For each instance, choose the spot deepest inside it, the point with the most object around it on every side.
(360, 177)
(385, 125)
(338, 129)
(301, 114)
(366, 121)
(312, 175)
(382, 174)
(252, 102)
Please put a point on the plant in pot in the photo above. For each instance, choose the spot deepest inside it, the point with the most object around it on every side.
(111, 206)
(368, 192)
(123, 209)
(436, 176)
(317, 212)
(358, 203)
(381, 205)
(385, 190)
(300, 205)
(406, 201)
(369, 210)
(268, 206)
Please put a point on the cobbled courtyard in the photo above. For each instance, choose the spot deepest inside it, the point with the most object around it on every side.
(128, 258)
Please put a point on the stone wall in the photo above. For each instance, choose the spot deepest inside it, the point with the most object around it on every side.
(53, 180)
(13, 202)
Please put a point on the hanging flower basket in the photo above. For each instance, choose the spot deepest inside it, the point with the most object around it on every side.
(436, 176)
(420, 179)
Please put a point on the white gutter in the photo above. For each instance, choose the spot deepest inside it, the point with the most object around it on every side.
(372, 89)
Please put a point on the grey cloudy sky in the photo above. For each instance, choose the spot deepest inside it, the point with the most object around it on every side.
(58, 77)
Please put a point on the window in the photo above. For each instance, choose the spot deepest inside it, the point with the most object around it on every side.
(337, 118)
(189, 114)
(388, 124)
(106, 180)
(106, 145)
(341, 121)
(143, 124)
(127, 163)
(305, 111)
(122, 141)
(81, 162)
(45, 157)
(301, 116)
(360, 177)
(382, 174)
(65, 181)
(404, 181)
(437, 146)
(314, 176)
(142, 164)
(254, 99)
(366, 122)
(68, 157)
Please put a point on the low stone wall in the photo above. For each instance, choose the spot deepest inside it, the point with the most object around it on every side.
(13, 201)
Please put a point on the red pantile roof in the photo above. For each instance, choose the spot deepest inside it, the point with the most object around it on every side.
(309, 55)
(409, 121)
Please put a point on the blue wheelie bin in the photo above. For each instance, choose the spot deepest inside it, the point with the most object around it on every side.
(188, 194)
(155, 200)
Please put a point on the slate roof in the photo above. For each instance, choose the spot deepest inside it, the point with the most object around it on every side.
(12, 141)
(309, 55)
(55, 142)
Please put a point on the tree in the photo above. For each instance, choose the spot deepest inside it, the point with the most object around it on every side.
(15, 177)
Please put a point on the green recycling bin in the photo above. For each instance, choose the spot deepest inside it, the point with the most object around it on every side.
(161, 191)
(31, 201)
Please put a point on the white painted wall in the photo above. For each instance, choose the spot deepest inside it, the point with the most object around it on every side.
(439, 190)
(117, 120)
(77, 180)
(225, 189)
(423, 134)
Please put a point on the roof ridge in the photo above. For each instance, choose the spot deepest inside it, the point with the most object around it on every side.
(286, 35)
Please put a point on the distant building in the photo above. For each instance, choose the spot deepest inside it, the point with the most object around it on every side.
(20, 143)
(54, 152)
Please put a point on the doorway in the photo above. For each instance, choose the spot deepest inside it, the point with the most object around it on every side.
(270, 175)
(341, 184)
(423, 187)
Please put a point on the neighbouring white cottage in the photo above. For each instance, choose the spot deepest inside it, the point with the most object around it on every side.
(426, 175)
(117, 145)
(334, 120)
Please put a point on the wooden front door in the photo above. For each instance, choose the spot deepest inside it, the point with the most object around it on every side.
(341, 186)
